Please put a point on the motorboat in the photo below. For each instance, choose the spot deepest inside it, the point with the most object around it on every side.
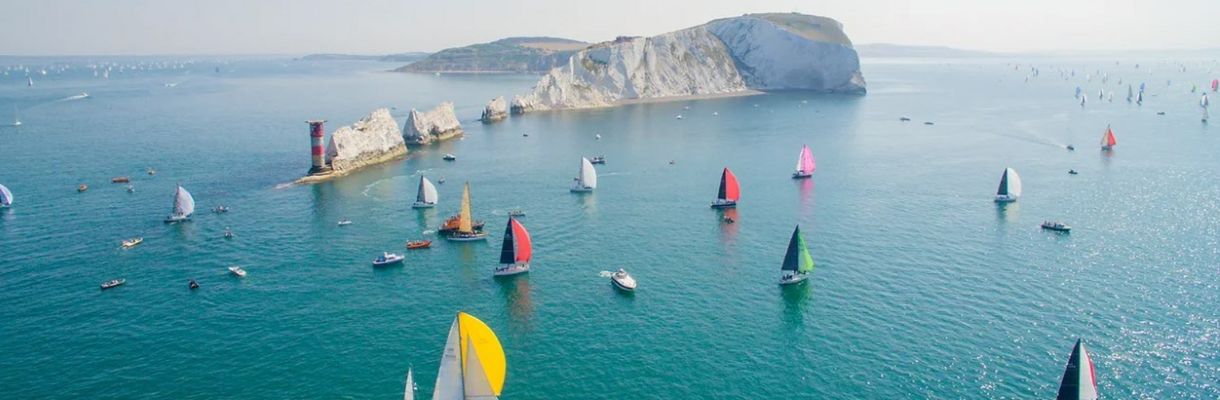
(1056, 226)
(151, 171)
(516, 213)
(904, 119)
(679, 116)
(622, 281)
(345, 222)
(82, 188)
(387, 258)
(193, 285)
(228, 233)
(131, 189)
(929, 123)
(449, 157)
(220, 209)
(516, 251)
(236, 270)
(598, 136)
(113, 283)
(418, 244)
(1072, 172)
(1071, 148)
(120, 179)
(598, 160)
(133, 242)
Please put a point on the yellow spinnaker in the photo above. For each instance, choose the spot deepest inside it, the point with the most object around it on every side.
(485, 342)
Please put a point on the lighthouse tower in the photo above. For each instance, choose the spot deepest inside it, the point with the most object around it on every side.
(316, 134)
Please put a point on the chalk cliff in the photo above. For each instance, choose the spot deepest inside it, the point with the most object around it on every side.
(371, 140)
(722, 57)
(496, 110)
(434, 125)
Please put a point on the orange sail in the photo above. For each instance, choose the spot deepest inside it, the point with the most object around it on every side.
(1107, 140)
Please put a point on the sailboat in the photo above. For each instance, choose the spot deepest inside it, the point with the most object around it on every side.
(804, 164)
(729, 192)
(29, 81)
(1078, 91)
(1139, 97)
(408, 392)
(1107, 139)
(517, 250)
(797, 261)
(1079, 377)
(1010, 187)
(184, 206)
(426, 196)
(473, 364)
(586, 179)
(1083, 99)
(1215, 84)
(466, 231)
(6, 197)
(1203, 101)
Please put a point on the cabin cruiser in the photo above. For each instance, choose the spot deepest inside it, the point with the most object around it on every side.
(622, 281)
(449, 157)
(133, 242)
(236, 270)
(598, 160)
(387, 258)
(113, 283)
(1056, 226)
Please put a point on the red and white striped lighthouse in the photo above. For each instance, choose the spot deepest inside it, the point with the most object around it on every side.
(316, 134)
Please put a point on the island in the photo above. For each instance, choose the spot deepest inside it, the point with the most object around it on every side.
(496, 110)
(398, 57)
(432, 126)
(534, 55)
(730, 56)
(372, 140)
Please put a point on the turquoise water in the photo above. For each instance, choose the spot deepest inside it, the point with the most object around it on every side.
(924, 288)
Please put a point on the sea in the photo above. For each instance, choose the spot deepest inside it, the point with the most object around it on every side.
(924, 287)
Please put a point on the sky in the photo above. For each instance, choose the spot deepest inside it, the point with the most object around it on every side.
(139, 27)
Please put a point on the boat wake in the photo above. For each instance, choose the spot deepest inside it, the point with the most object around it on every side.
(76, 97)
(605, 274)
(284, 185)
(428, 232)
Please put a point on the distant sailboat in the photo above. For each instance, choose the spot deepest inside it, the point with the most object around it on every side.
(1215, 84)
(1203, 101)
(1079, 377)
(1130, 94)
(6, 197)
(1139, 97)
(426, 196)
(184, 206)
(516, 251)
(729, 192)
(1101, 94)
(472, 364)
(797, 261)
(1108, 141)
(586, 178)
(1010, 187)
(408, 392)
(466, 231)
(29, 81)
(805, 164)
(1078, 91)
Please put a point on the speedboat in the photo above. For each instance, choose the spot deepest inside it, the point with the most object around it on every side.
(598, 159)
(236, 270)
(418, 244)
(598, 136)
(113, 283)
(449, 157)
(1072, 172)
(82, 188)
(228, 233)
(1071, 148)
(193, 285)
(220, 209)
(133, 242)
(387, 258)
(622, 281)
(904, 119)
(345, 222)
(152, 171)
(120, 179)
(131, 189)
(516, 213)
(1056, 226)
(441, 180)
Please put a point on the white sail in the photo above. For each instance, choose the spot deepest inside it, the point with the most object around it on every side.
(449, 377)
(427, 192)
(1014, 183)
(6, 197)
(1088, 387)
(588, 175)
(409, 391)
(184, 204)
(474, 378)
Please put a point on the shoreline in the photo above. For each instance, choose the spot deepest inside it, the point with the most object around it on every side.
(653, 100)
(335, 174)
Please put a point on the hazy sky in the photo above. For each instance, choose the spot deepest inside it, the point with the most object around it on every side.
(54, 27)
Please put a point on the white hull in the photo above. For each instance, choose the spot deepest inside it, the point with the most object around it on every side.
(626, 285)
(793, 279)
(581, 189)
(423, 205)
(1004, 198)
(511, 269)
(177, 218)
(801, 175)
(467, 238)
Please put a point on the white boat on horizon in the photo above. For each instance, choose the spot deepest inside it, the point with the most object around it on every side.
(1010, 187)
(426, 196)
(586, 178)
(516, 251)
(184, 206)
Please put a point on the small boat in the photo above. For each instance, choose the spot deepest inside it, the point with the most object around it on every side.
(598, 136)
(151, 171)
(1010, 187)
(466, 231)
(228, 233)
(6, 197)
(426, 196)
(1072, 172)
(797, 261)
(516, 251)
(440, 181)
(516, 213)
(1160, 113)
(805, 164)
(622, 281)
(387, 258)
(418, 244)
(192, 284)
(929, 123)
(184, 206)
(113, 283)
(133, 242)
(728, 220)
(131, 189)
(679, 116)
(82, 188)
(525, 135)
(904, 119)
(729, 191)
(449, 157)
(1079, 377)
(586, 178)
(1056, 226)
(220, 209)
(120, 179)
(472, 364)
(236, 270)
(715, 113)
(672, 162)
(1071, 148)
(345, 222)
(1108, 141)
(598, 160)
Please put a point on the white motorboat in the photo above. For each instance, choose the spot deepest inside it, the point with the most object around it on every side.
(133, 242)
(236, 270)
(623, 281)
(449, 157)
(388, 258)
(345, 222)
(113, 283)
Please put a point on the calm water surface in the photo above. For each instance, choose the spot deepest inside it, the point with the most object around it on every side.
(924, 288)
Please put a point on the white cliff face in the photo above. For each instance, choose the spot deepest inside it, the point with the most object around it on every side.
(373, 139)
(496, 110)
(437, 124)
(726, 56)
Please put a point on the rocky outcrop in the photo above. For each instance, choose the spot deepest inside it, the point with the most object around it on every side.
(431, 126)
(496, 110)
(722, 57)
(371, 140)
(520, 105)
